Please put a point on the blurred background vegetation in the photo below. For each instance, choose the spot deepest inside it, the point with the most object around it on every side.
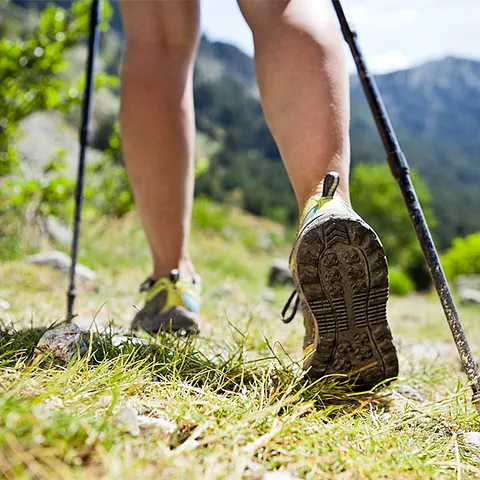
(435, 109)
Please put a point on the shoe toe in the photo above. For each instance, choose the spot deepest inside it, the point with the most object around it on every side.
(175, 320)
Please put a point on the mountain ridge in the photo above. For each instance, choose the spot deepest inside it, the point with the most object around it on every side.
(434, 107)
(435, 110)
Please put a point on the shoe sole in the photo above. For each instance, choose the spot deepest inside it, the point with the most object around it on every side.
(342, 273)
(177, 319)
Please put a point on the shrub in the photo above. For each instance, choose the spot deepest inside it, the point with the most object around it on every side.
(377, 198)
(30, 73)
(400, 283)
(463, 257)
(207, 214)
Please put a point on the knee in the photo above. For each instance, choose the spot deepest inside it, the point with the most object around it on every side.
(161, 28)
(261, 13)
(306, 15)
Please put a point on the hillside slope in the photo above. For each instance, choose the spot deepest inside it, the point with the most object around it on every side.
(435, 109)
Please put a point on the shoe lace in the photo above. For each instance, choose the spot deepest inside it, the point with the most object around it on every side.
(294, 307)
(173, 276)
(147, 284)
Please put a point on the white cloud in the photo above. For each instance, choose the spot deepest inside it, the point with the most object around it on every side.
(393, 34)
(389, 61)
(373, 17)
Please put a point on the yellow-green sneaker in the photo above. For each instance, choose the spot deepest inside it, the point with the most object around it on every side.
(341, 277)
(172, 303)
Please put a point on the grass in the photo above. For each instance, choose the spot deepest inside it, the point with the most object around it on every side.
(234, 398)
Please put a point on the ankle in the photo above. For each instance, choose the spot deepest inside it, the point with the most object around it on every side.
(342, 193)
(185, 267)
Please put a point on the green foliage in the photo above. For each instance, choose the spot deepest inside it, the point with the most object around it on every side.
(377, 198)
(24, 201)
(32, 76)
(108, 189)
(400, 283)
(435, 111)
(206, 214)
(463, 257)
(45, 196)
(246, 179)
(30, 71)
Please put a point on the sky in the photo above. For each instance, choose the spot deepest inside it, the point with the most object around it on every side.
(393, 34)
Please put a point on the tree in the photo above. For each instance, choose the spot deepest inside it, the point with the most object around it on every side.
(30, 71)
(377, 198)
(463, 257)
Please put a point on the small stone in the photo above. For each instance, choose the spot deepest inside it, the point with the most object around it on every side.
(253, 467)
(63, 343)
(62, 262)
(264, 241)
(118, 340)
(221, 291)
(160, 422)
(128, 419)
(279, 476)
(472, 438)
(280, 273)
(58, 231)
(468, 288)
(428, 350)
(410, 392)
(133, 423)
(253, 471)
(468, 295)
(268, 296)
(4, 305)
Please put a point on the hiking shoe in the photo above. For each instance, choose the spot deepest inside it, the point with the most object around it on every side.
(341, 277)
(172, 303)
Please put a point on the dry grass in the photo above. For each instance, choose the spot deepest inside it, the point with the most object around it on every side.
(234, 396)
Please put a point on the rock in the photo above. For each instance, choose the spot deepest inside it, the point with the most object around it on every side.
(268, 296)
(42, 134)
(428, 350)
(224, 290)
(279, 476)
(128, 419)
(118, 340)
(472, 438)
(280, 273)
(467, 295)
(62, 262)
(254, 468)
(133, 423)
(57, 230)
(264, 241)
(161, 422)
(4, 305)
(410, 392)
(468, 288)
(63, 343)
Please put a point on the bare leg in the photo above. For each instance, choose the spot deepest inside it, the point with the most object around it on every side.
(158, 124)
(303, 81)
(338, 263)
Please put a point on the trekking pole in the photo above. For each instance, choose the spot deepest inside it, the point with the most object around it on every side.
(93, 44)
(399, 167)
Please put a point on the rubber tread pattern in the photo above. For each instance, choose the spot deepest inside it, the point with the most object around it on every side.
(342, 273)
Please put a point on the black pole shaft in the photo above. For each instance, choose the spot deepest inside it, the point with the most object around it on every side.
(399, 167)
(93, 44)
